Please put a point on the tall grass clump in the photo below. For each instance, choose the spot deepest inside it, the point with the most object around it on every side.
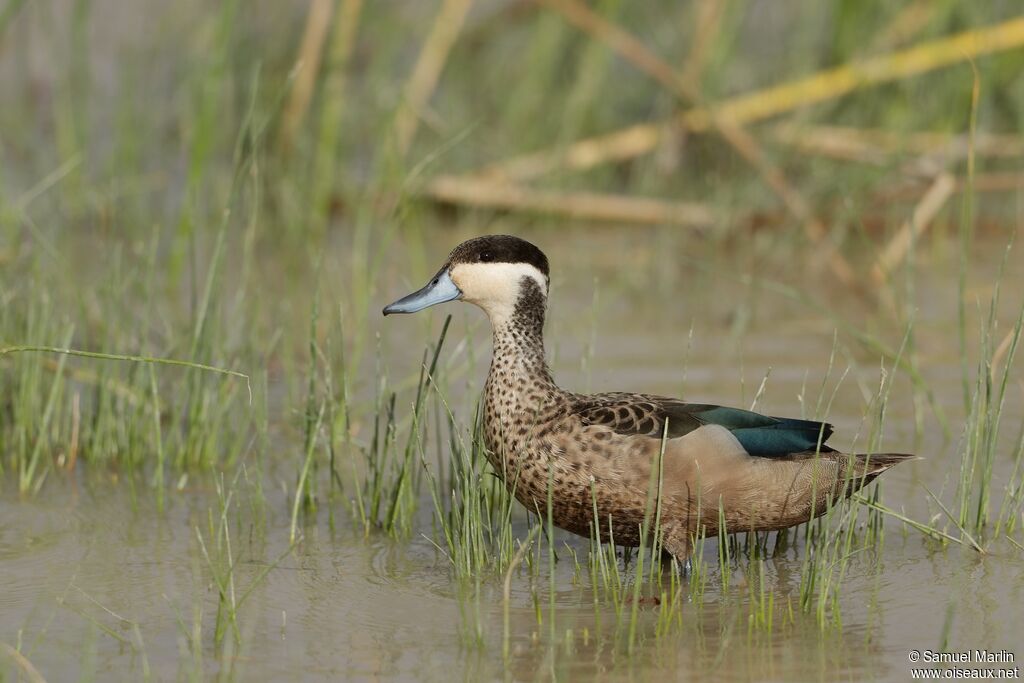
(145, 372)
(983, 434)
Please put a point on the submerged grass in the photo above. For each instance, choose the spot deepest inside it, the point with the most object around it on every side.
(222, 558)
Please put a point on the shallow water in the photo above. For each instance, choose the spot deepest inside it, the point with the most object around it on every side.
(99, 582)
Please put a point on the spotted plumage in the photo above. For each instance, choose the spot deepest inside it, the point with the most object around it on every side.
(601, 452)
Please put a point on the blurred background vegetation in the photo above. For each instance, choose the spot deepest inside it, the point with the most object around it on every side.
(140, 114)
(202, 180)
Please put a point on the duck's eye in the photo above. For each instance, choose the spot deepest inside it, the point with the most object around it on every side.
(486, 257)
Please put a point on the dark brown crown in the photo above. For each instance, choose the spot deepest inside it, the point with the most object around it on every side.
(499, 249)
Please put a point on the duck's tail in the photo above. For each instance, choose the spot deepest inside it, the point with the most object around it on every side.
(869, 465)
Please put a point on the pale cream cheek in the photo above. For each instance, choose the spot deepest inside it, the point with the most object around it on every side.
(494, 287)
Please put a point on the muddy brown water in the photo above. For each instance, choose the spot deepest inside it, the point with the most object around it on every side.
(98, 583)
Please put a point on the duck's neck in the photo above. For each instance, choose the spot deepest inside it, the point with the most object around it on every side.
(519, 379)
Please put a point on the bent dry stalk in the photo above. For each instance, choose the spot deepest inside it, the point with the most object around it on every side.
(6, 350)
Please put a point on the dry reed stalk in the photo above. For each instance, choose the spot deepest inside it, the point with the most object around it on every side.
(1009, 181)
(582, 205)
(708, 23)
(622, 145)
(76, 421)
(1000, 353)
(836, 82)
(924, 213)
(641, 138)
(308, 64)
(31, 672)
(874, 146)
(622, 42)
(342, 41)
(983, 183)
(794, 202)
(428, 68)
(907, 23)
(343, 38)
(832, 142)
(636, 53)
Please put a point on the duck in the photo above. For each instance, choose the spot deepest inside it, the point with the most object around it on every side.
(591, 460)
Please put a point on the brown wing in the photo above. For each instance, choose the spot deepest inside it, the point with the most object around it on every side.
(647, 415)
